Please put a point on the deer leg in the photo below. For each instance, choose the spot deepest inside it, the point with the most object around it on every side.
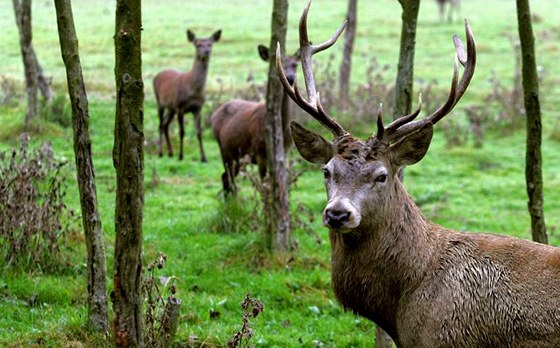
(228, 178)
(166, 122)
(161, 112)
(181, 119)
(199, 135)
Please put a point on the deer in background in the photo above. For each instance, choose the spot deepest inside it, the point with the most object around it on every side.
(454, 6)
(424, 284)
(238, 126)
(183, 92)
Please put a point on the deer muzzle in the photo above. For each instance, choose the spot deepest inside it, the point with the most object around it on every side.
(340, 214)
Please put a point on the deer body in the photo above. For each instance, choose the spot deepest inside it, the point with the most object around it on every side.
(238, 127)
(433, 287)
(425, 285)
(183, 92)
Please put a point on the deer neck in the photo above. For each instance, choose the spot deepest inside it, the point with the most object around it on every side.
(374, 266)
(199, 73)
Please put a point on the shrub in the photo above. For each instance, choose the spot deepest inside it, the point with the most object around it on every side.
(32, 209)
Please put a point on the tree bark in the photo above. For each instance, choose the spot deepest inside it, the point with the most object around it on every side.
(276, 203)
(346, 64)
(405, 73)
(22, 11)
(533, 157)
(96, 268)
(128, 160)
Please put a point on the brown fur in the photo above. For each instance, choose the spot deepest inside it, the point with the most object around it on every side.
(238, 126)
(183, 92)
(426, 285)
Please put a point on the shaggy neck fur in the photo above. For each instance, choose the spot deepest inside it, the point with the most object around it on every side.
(377, 263)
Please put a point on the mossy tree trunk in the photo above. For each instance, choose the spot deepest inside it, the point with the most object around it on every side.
(533, 157)
(128, 160)
(276, 203)
(405, 71)
(96, 268)
(346, 64)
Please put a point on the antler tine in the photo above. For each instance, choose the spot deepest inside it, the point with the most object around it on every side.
(313, 105)
(458, 89)
(307, 50)
(393, 126)
(380, 127)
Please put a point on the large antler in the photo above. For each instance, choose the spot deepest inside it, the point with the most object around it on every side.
(404, 125)
(307, 50)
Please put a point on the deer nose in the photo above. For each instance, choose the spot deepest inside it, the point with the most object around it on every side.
(336, 218)
(291, 79)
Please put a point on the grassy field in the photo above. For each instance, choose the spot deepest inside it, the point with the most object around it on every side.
(216, 264)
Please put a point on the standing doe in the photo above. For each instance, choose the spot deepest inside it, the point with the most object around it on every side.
(238, 126)
(183, 92)
(454, 6)
(426, 285)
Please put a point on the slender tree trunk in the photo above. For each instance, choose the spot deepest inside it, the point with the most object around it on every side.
(405, 73)
(533, 158)
(128, 160)
(22, 11)
(346, 64)
(97, 271)
(277, 208)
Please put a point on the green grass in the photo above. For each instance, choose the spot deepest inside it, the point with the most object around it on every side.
(462, 188)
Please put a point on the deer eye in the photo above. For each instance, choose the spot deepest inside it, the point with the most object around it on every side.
(326, 173)
(381, 178)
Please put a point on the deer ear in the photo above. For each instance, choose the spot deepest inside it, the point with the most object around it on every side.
(190, 35)
(413, 147)
(264, 52)
(311, 146)
(216, 36)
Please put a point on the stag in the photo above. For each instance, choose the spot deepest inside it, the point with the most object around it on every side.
(238, 126)
(183, 92)
(424, 284)
(454, 6)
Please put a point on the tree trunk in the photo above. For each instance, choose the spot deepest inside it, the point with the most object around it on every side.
(97, 271)
(533, 158)
(128, 160)
(346, 64)
(405, 73)
(22, 11)
(276, 202)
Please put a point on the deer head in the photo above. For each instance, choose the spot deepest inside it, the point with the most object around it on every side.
(289, 63)
(361, 176)
(203, 46)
